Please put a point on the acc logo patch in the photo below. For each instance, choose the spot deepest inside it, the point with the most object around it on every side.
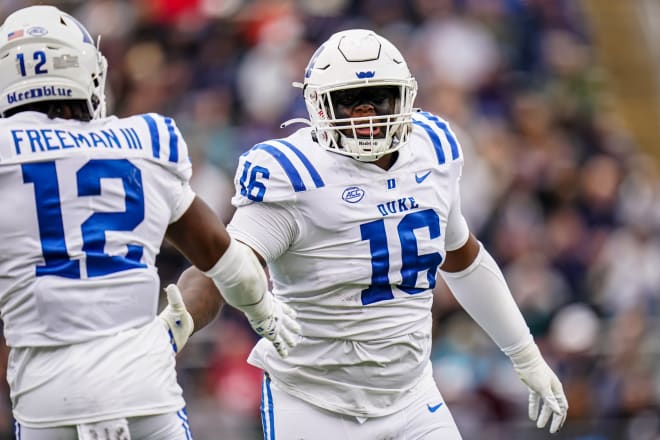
(37, 31)
(352, 194)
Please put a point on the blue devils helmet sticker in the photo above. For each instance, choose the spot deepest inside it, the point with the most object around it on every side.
(86, 37)
(312, 61)
(353, 194)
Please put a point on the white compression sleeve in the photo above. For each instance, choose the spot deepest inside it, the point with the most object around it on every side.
(241, 280)
(482, 291)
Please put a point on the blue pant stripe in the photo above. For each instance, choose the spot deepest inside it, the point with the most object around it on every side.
(183, 415)
(264, 428)
(267, 414)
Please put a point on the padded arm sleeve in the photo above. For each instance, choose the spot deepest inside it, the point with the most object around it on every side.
(239, 277)
(482, 291)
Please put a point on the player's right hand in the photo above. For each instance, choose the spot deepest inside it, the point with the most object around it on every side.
(275, 321)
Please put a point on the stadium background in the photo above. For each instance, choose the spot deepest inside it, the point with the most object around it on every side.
(555, 102)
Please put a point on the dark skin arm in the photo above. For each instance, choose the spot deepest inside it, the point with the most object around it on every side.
(199, 235)
(202, 239)
(461, 258)
(201, 297)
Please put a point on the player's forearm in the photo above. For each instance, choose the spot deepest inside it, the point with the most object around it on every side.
(233, 266)
(199, 235)
(238, 275)
(483, 293)
(200, 296)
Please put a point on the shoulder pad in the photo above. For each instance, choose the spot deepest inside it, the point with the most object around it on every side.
(274, 171)
(164, 138)
(437, 131)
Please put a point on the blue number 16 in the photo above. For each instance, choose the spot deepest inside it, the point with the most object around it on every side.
(411, 262)
(51, 228)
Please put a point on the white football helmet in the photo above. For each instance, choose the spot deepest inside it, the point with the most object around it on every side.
(47, 55)
(353, 59)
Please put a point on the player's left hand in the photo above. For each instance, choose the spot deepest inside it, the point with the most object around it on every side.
(176, 318)
(275, 321)
(545, 390)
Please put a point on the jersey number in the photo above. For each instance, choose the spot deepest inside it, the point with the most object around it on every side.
(38, 56)
(250, 186)
(412, 263)
(43, 175)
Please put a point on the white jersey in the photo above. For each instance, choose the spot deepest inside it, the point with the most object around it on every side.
(354, 249)
(89, 205)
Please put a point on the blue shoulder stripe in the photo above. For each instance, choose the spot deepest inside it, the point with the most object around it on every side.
(445, 128)
(437, 145)
(155, 137)
(285, 163)
(174, 141)
(316, 177)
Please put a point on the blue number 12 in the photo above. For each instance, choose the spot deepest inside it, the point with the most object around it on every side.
(38, 56)
(51, 227)
(411, 262)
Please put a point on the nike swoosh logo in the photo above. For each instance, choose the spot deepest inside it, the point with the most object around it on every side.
(420, 179)
(433, 408)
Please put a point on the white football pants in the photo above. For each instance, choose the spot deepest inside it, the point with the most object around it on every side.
(285, 417)
(172, 426)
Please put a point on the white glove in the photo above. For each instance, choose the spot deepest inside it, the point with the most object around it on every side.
(275, 321)
(544, 388)
(178, 322)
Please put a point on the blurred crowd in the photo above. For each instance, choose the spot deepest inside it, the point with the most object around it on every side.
(553, 184)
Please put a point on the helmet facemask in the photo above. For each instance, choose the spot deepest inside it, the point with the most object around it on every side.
(365, 137)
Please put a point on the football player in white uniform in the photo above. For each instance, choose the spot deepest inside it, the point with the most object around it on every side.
(90, 199)
(355, 217)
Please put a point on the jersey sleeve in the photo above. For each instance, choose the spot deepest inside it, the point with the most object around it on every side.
(269, 228)
(272, 172)
(447, 152)
(437, 132)
(170, 151)
(457, 232)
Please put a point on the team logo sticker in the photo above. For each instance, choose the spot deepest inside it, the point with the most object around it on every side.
(37, 31)
(353, 194)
